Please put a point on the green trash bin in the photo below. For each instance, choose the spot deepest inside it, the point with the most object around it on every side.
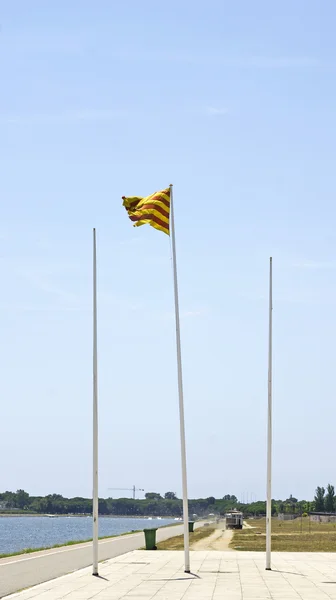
(150, 538)
(191, 526)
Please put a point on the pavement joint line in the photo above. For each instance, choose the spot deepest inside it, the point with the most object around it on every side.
(296, 577)
(45, 584)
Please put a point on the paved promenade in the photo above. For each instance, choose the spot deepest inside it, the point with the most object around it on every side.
(142, 575)
(25, 570)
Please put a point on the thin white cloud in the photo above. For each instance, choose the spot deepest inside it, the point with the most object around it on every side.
(253, 297)
(307, 297)
(315, 265)
(131, 241)
(187, 314)
(213, 111)
(23, 42)
(243, 62)
(66, 117)
(271, 62)
(43, 308)
(109, 299)
(41, 283)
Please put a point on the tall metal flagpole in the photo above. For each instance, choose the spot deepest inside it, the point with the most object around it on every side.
(180, 390)
(95, 416)
(269, 432)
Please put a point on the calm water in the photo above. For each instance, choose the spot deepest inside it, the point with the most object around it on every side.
(17, 533)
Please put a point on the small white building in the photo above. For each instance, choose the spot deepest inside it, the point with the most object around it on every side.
(322, 517)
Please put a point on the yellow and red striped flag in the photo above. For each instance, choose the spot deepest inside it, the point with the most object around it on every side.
(154, 210)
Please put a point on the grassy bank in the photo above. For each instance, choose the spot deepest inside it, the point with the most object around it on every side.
(177, 542)
(298, 535)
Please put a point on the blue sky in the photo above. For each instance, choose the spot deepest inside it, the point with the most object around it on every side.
(234, 103)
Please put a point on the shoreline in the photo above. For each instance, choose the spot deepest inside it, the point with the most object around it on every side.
(65, 544)
(85, 516)
(27, 570)
(75, 542)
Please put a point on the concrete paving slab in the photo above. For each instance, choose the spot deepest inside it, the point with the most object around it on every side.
(216, 575)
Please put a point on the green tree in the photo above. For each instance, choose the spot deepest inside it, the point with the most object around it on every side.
(292, 500)
(330, 498)
(291, 504)
(152, 508)
(173, 508)
(258, 508)
(10, 499)
(22, 499)
(170, 496)
(102, 507)
(211, 500)
(302, 506)
(319, 499)
(42, 505)
(229, 498)
(35, 505)
(153, 496)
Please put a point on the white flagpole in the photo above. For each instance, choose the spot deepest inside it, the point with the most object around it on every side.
(180, 390)
(95, 415)
(269, 432)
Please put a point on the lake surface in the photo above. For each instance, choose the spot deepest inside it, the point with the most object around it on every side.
(18, 533)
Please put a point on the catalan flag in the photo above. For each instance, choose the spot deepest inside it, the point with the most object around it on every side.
(157, 210)
(153, 210)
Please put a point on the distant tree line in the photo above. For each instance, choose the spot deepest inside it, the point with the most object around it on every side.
(167, 505)
(325, 500)
(153, 505)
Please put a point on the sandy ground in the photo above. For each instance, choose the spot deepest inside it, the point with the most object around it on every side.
(247, 526)
(218, 540)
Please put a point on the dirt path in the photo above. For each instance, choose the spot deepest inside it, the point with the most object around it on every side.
(247, 526)
(218, 540)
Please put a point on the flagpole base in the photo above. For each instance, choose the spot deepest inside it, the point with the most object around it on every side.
(95, 575)
(268, 569)
(187, 570)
